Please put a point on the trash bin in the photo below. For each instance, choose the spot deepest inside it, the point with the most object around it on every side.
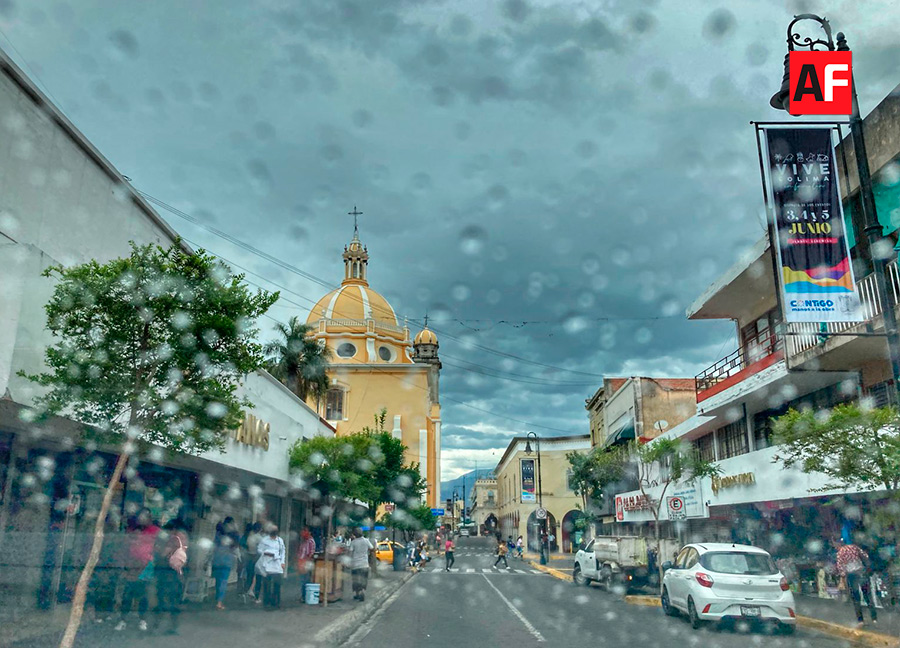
(399, 559)
(311, 595)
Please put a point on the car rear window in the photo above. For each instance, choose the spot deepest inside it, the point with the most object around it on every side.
(739, 562)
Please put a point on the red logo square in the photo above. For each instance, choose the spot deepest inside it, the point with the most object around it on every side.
(820, 83)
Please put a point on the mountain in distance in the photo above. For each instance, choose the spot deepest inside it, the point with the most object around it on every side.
(448, 486)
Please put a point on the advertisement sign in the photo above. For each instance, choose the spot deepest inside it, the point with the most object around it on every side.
(528, 491)
(816, 279)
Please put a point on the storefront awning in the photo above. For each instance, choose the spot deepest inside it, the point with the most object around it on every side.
(622, 434)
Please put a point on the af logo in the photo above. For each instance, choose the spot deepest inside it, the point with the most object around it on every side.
(820, 83)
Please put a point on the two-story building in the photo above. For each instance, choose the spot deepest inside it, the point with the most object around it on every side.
(775, 367)
(483, 505)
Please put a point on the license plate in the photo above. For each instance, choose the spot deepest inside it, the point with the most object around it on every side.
(750, 610)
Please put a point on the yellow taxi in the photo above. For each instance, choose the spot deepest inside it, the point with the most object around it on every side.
(384, 550)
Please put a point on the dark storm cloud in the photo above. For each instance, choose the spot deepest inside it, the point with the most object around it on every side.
(554, 184)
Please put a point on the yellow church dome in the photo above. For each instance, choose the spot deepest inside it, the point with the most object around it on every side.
(353, 301)
(425, 336)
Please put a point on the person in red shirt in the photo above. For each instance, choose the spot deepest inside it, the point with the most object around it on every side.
(852, 562)
(139, 548)
(305, 560)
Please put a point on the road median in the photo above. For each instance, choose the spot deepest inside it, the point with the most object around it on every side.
(550, 570)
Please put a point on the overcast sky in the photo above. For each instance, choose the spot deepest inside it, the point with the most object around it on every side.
(553, 182)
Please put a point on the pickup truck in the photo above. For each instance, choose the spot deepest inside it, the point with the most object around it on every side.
(621, 563)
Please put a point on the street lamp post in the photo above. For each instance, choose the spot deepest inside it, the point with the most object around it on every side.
(543, 521)
(781, 100)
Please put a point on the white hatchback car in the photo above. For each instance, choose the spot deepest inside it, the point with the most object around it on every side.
(720, 581)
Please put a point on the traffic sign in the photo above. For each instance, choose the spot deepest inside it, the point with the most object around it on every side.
(676, 508)
(541, 513)
(437, 512)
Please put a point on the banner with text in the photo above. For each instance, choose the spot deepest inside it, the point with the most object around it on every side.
(528, 492)
(812, 251)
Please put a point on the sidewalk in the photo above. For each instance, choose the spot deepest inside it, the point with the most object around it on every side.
(240, 624)
(841, 613)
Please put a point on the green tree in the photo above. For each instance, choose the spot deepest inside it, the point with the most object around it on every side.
(411, 521)
(592, 472)
(150, 349)
(855, 447)
(660, 464)
(298, 360)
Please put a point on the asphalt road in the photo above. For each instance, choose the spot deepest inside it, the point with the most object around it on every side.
(475, 605)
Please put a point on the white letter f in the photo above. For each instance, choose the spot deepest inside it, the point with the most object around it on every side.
(831, 82)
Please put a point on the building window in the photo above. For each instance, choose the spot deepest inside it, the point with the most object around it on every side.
(385, 353)
(706, 447)
(346, 350)
(334, 405)
(569, 475)
(762, 431)
(758, 338)
(733, 440)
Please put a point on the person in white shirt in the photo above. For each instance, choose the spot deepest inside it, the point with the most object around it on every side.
(360, 548)
(272, 557)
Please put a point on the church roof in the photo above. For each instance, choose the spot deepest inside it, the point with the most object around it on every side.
(353, 301)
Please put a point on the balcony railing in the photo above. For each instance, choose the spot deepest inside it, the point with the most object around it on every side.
(735, 362)
(808, 335)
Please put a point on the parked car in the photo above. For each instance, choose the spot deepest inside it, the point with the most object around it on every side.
(384, 550)
(720, 581)
(464, 533)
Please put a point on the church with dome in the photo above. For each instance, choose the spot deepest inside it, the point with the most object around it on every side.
(375, 365)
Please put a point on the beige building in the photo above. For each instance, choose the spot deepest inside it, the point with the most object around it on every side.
(518, 479)
(638, 407)
(483, 503)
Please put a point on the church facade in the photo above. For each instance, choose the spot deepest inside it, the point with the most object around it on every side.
(375, 365)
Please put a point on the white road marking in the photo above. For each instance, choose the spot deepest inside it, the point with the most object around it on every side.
(534, 631)
(469, 571)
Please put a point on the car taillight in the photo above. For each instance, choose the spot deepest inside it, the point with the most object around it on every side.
(706, 608)
(784, 584)
(705, 580)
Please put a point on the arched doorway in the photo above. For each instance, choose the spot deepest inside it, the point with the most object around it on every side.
(572, 530)
(533, 530)
(490, 525)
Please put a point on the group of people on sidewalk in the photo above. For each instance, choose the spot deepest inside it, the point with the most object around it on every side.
(150, 559)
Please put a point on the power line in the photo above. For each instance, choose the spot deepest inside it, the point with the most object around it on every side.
(326, 284)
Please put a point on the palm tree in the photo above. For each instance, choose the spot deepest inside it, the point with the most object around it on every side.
(298, 360)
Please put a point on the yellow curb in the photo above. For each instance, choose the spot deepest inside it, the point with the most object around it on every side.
(861, 637)
(549, 570)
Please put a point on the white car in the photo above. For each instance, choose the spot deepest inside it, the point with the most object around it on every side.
(720, 581)
(463, 533)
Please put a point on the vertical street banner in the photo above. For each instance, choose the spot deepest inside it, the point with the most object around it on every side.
(816, 278)
(528, 492)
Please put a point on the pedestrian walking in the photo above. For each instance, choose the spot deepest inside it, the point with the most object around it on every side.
(138, 573)
(253, 579)
(271, 566)
(853, 563)
(170, 559)
(520, 548)
(225, 557)
(305, 559)
(502, 550)
(448, 554)
(360, 548)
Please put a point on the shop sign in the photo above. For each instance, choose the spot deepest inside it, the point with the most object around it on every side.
(252, 432)
(634, 503)
(730, 481)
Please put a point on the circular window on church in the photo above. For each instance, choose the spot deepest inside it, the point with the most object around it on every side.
(385, 353)
(346, 350)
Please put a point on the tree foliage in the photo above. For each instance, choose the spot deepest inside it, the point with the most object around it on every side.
(411, 520)
(150, 349)
(298, 360)
(594, 471)
(855, 447)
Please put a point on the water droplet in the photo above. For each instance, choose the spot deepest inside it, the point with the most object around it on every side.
(260, 178)
(460, 25)
(263, 130)
(718, 24)
(574, 324)
(442, 96)
(620, 256)
(460, 292)
(498, 194)
(642, 22)
(462, 130)
(586, 149)
(472, 240)
(124, 44)
(643, 335)
(516, 10)
(331, 153)
(757, 54)
(362, 118)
